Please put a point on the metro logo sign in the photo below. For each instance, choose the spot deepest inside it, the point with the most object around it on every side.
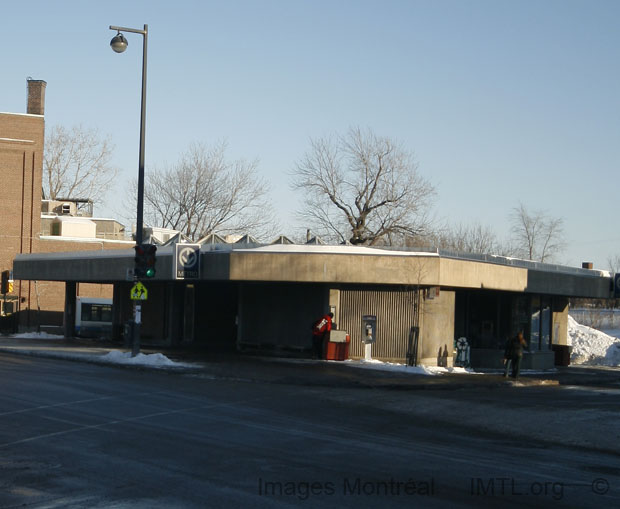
(186, 263)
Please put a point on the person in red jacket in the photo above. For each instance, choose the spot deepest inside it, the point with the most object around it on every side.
(320, 331)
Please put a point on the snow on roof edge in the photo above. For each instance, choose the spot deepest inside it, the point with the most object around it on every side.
(21, 114)
(327, 249)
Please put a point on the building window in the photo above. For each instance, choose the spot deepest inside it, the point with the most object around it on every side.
(520, 315)
(545, 324)
(535, 324)
(540, 324)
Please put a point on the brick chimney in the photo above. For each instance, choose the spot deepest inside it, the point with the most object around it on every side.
(36, 97)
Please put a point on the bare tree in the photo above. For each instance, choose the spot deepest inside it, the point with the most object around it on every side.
(204, 193)
(474, 238)
(362, 188)
(537, 236)
(614, 264)
(76, 164)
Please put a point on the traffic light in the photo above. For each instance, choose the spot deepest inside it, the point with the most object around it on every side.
(145, 261)
(140, 259)
(150, 260)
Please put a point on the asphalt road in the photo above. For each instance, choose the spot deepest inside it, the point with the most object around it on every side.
(81, 435)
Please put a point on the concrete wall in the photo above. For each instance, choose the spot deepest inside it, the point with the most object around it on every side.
(437, 330)
(471, 274)
(333, 268)
(109, 263)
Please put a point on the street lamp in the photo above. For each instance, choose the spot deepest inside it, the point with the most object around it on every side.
(119, 44)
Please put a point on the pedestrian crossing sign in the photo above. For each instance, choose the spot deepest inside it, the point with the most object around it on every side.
(139, 292)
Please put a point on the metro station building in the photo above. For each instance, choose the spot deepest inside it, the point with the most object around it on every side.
(265, 298)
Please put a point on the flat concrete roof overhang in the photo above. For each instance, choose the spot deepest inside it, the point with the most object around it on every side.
(328, 264)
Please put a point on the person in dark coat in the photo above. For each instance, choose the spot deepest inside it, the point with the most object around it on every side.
(514, 354)
(320, 331)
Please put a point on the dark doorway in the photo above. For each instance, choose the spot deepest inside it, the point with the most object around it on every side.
(215, 311)
(483, 317)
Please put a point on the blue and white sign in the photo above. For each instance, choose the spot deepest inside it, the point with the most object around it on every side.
(186, 263)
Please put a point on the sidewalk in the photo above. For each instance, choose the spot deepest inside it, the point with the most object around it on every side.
(295, 371)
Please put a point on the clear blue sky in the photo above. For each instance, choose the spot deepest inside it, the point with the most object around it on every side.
(501, 101)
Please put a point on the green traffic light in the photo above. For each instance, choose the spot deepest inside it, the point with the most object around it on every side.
(150, 272)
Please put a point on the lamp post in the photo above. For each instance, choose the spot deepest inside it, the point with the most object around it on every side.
(119, 44)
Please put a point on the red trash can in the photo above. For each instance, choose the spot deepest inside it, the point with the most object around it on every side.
(337, 348)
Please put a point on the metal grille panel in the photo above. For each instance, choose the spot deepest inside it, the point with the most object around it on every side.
(395, 312)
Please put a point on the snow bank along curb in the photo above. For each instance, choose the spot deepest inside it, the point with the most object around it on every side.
(112, 357)
(592, 347)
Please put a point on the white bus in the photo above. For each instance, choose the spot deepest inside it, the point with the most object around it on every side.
(93, 317)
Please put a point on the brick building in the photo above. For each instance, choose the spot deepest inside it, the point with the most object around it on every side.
(22, 139)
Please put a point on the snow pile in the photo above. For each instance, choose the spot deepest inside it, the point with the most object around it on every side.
(592, 347)
(37, 335)
(156, 360)
(403, 368)
(89, 353)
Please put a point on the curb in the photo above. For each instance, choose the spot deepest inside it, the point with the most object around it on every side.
(356, 377)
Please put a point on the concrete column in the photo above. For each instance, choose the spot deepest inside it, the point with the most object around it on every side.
(70, 305)
(175, 300)
(117, 319)
(559, 332)
(437, 330)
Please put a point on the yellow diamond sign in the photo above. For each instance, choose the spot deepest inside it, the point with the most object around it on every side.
(139, 292)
